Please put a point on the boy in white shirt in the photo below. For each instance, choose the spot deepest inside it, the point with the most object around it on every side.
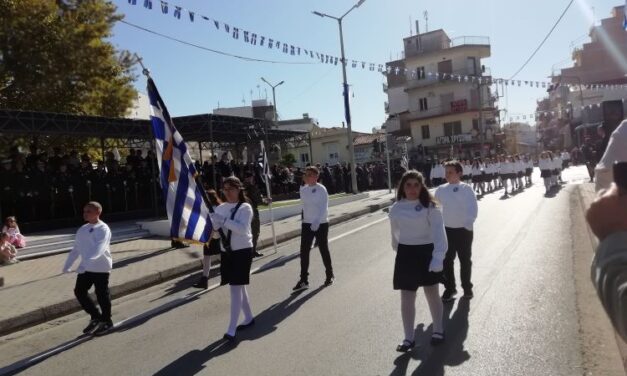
(459, 209)
(92, 244)
(315, 200)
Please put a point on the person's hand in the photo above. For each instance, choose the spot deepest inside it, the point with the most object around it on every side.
(315, 226)
(436, 265)
(608, 213)
(217, 219)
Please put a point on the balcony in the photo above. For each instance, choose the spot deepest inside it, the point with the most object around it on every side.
(430, 79)
(470, 40)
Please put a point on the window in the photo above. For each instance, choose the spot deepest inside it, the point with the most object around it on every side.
(420, 73)
(425, 132)
(423, 104)
(475, 124)
(453, 128)
(304, 157)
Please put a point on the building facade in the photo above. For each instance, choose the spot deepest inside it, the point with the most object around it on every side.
(438, 94)
(590, 93)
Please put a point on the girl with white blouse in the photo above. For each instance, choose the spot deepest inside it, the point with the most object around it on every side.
(420, 243)
(546, 170)
(235, 217)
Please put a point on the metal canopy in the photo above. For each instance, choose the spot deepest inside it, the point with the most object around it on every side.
(221, 129)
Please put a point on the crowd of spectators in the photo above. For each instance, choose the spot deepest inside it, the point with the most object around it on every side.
(40, 186)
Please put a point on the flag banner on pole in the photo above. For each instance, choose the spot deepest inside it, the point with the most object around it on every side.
(405, 162)
(263, 163)
(187, 211)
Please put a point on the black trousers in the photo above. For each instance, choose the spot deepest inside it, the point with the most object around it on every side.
(306, 239)
(84, 281)
(460, 245)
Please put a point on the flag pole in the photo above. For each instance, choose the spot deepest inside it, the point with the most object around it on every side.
(269, 191)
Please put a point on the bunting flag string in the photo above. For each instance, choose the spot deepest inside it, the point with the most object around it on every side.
(257, 39)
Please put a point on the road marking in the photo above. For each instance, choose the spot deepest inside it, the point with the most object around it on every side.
(28, 362)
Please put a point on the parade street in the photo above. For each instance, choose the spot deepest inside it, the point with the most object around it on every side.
(530, 270)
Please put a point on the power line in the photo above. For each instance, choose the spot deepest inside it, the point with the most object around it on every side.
(544, 40)
(245, 58)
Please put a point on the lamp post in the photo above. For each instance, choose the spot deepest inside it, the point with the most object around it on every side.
(273, 95)
(347, 112)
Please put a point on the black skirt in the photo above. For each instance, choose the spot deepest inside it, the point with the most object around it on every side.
(411, 268)
(545, 173)
(528, 171)
(235, 267)
(556, 172)
(213, 248)
(476, 179)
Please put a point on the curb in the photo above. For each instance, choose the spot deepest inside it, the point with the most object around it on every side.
(56, 310)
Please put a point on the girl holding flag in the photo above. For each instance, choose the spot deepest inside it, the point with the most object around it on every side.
(235, 216)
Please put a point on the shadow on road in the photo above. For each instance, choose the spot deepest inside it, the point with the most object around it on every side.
(265, 323)
(433, 359)
(132, 260)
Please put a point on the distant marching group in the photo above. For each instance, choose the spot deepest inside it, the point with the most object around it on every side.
(507, 172)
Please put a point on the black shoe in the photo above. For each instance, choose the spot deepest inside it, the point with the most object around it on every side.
(301, 285)
(257, 254)
(449, 295)
(437, 339)
(468, 294)
(244, 326)
(103, 328)
(177, 244)
(203, 283)
(228, 337)
(93, 324)
(406, 346)
(329, 281)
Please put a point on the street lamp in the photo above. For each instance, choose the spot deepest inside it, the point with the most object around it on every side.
(347, 110)
(273, 95)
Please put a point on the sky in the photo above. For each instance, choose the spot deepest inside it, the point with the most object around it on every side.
(195, 81)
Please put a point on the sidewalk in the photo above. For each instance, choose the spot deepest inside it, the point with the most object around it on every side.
(34, 290)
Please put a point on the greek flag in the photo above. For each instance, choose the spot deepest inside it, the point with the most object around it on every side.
(263, 163)
(187, 212)
(405, 162)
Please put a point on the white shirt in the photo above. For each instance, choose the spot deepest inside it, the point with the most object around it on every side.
(315, 200)
(467, 170)
(413, 224)
(241, 232)
(616, 152)
(476, 171)
(92, 244)
(459, 205)
(565, 155)
(557, 163)
(507, 168)
(545, 164)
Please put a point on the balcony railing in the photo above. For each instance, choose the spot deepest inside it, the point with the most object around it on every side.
(474, 40)
(413, 83)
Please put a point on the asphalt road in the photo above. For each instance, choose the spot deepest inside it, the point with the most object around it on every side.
(522, 321)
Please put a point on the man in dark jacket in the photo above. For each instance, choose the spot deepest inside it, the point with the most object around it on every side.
(253, 194)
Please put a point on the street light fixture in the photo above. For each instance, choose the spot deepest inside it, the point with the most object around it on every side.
(347, 112)
(273, 95)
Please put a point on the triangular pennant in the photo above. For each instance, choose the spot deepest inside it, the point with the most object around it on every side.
(177, 12)
(164, 7)
(191, 16)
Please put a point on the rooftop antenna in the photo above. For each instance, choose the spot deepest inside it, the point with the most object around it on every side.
(411, 33)
(426, 14)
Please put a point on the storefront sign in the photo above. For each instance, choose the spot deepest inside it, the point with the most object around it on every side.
(456, 139)
(459, 106)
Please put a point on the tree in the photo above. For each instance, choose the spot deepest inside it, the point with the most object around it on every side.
(288, 160)
(54, 56)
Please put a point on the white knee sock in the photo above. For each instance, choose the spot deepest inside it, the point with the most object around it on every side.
(248, 313)
(236, 307)
(432, 293)
(206, 266)
(408, 313)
